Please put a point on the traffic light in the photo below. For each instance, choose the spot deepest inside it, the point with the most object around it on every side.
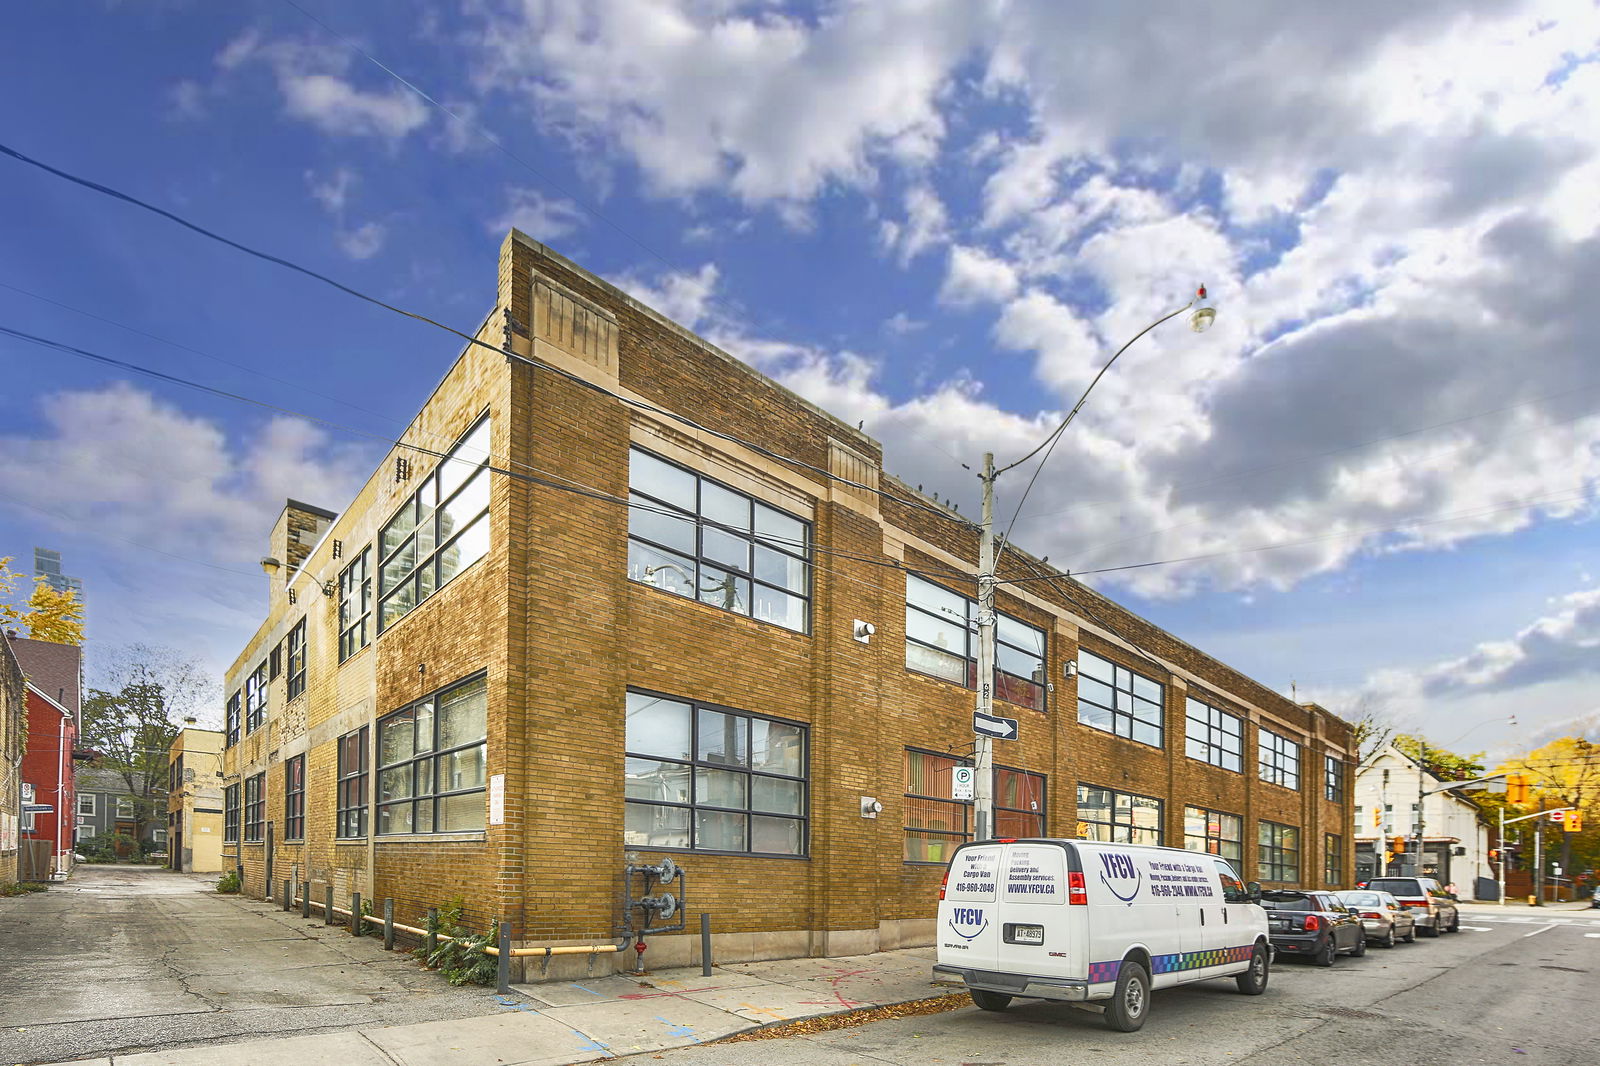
(1517, 790)
(1574, 822)
(1398, 845)
(1377, 817)
(1494, 854)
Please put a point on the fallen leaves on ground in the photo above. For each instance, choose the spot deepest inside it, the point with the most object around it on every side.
(851, 1018)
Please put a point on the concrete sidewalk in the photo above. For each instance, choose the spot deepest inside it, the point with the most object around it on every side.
(607, 1017)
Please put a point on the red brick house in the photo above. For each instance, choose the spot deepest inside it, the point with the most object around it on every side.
(49, 794)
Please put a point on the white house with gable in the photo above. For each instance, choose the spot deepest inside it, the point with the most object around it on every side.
(1455, 831)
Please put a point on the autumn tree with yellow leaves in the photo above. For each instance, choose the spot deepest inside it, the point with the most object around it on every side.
(47, 614)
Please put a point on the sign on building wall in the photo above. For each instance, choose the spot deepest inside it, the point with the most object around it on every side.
(497, 799)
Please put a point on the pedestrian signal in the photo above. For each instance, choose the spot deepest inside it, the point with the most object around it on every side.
(1398, 845)
(1574, 822)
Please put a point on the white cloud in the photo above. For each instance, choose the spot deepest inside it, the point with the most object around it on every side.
(314, 83)
(974, 276)
(1564, 643)
(686, 298)
(358, 241)
(926, 225)
(364, 241)
(332, 192)
(539, 216)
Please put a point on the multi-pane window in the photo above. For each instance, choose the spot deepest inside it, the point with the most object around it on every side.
(1333, 779)
(942, 640)
(433, 762)
(693, 537)
(255, 698)
(275, 661)
(294, 798)
(351, 817)
(1333, 859)
(235, 703)
(230, 814)
(1213, 832)
(1279, 759)
(439, 531)
(1118, 817)
(355, 605)
(1116, 699)
(124, 806)
(936, 824)
(255, 806)
(86, 804)
(1277, 852)
(297, 659)
(1213, 735)
(713, 779)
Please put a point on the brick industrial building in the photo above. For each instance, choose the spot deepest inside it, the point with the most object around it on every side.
(624, 619)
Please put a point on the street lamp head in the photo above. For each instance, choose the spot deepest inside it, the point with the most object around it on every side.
(1204, 315)
(271, 565)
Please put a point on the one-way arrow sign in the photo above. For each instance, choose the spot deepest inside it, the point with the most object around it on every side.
(992, 726)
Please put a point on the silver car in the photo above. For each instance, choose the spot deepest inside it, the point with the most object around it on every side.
(1384, 920)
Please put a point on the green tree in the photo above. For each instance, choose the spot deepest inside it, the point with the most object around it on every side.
(1443, 764)
(48, 614)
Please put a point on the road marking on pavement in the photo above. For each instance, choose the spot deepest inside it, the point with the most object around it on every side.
(1592, 936)
(1482, 929)
(1536, 932)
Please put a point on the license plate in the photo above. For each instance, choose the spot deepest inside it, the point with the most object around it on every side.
(1031, 935)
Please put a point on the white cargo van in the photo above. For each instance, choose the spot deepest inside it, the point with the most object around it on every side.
(1095, 924)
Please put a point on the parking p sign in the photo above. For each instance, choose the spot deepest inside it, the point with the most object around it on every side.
(961, 783)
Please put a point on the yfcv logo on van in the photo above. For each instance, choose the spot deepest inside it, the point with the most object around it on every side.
(1120, 876)
(963, 919)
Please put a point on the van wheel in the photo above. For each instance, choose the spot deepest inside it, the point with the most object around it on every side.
(1131, 1000)
(989, 1000)
(1253, 981)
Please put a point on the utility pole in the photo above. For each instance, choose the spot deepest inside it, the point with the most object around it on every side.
(1422, 791)
(1538, 856)
(1502, 846)
(983, 777)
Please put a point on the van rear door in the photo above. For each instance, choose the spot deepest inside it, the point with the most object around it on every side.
(968, 932)
(1039, 933)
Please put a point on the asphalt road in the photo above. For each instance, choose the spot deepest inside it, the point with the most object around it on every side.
(1498, 992)
(130, 958)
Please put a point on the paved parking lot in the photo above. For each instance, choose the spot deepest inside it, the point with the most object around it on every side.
(124, 958)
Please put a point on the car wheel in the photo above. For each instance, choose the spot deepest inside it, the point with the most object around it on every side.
(1326, 956)
(1411, 937)
(1361, 946)
(1455, 923)
(1431, 930)
(1131, 1000)
(1253, 981)
(989, 1000)
(1389, 940)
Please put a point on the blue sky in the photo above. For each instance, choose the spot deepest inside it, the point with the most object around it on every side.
(938, 217)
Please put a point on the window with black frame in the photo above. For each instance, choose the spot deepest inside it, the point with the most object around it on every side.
(355, 604)
(297, 659)
(935, 823)
(1118, 700)
(1333, 780)
(1333, 859)
(294, 798)
(1118, 817)
(694, 537)
(255, 807)
(1278, 852)
(255, 698)
(433, 762)
(1213, 832)
(230, 814)
(1213, 736)
(713, 779)
(441, 529)
(350, 820)
(1279, 759)
(942, 641)
(235, 705)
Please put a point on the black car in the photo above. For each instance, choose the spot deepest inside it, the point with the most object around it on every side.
(1313, 924)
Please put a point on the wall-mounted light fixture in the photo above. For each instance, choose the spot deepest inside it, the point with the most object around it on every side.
(272, 564)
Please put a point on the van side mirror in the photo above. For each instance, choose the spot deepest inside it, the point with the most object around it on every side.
(1253, 890)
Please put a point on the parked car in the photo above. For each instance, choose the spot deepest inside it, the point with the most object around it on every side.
(1595, 900)
(1312, 924)
(1384, 920)
(1432, 907)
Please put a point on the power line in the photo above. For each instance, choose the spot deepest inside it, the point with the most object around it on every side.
(115, 194)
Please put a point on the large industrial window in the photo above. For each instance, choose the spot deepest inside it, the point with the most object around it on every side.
(255, 698)
(1117, 700)
(235, 703)
(1118, 817)
(692, 537)
(935, 823)
(1333, 780)
(355, 605)
(1213, 736)
(297, 659)
(1332, 859)
(1213, 832)
(230, 814)
(1280, 759)
(942, 640)
(1278, 852)
(255, 806)
(712, 779)
(351, 817)
(433, 762)
(294, 798)
(439, 531)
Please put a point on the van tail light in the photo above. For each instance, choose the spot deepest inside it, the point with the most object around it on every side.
(1313, 923)
(1006, 840)
(1077, 893)
(943, 881)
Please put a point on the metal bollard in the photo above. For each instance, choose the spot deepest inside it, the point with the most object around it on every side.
(357, 926)
(433, 931)
(327, 906)
(705, 944)
(503, 978)
(388, 924)
(305, 899)
(287, 899)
